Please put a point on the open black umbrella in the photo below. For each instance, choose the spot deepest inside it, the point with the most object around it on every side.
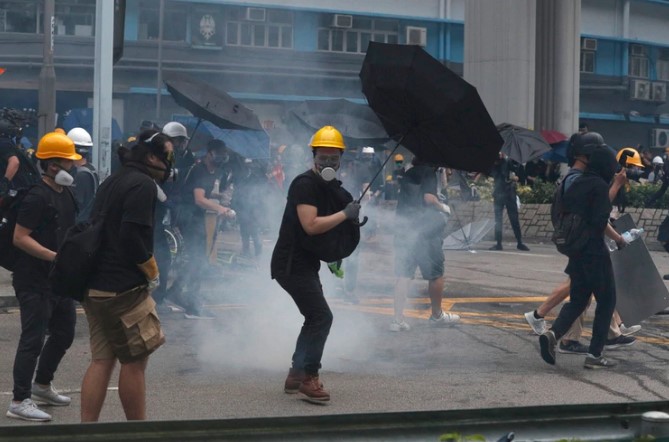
(211, 104)
(354, 121)
(522, 145)
(433, 112)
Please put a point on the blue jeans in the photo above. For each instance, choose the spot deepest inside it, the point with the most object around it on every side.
(41, 312)
(307, 292)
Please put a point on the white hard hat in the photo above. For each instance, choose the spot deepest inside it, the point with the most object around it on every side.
(80, 137)
(368, 149)
(658, 160)
(174, 129)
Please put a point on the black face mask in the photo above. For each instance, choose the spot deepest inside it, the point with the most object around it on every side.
(161, 174)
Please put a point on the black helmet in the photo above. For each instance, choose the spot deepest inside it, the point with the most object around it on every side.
(583, 144)
(7, 128)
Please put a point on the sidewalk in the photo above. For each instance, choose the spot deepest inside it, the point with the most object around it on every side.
(7, 298)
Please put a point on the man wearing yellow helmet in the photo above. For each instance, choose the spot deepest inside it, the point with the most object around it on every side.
(46, 212)
(295, 267)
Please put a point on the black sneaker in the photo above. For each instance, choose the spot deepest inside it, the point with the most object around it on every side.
(620, 341)
(594, 363)
(522, 247)
(572, 348)
(666, 277)
(547, 342)
(496, 247)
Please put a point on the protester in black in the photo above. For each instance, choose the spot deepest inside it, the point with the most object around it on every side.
(247, 201)
(17, 171)
(45, 214)
(504, 173)
(590, 270)
(121, 313)
(296, 269)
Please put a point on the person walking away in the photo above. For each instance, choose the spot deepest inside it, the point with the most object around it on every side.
(122, 319)
(590, 269)
(86, 180)
(203, 185)
(419, 229)
(296, 268)
(44, 215)
(247, 202)
(504, 195)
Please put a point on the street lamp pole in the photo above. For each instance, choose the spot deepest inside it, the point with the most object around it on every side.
(159, 81)
(47, 75)
(103, 86)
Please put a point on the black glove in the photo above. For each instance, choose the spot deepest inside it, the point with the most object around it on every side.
(4, 186)
(352, 210)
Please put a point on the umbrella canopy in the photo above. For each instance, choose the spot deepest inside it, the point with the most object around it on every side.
(553, 136)
(520, 144)
(558, 153)
(469, 234)
(354, 121)
(250, 144)
(211, 104)
(83, 117)
(434, 112)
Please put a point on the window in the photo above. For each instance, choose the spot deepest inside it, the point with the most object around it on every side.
(248, 27)
(355, 39)
(588, 62)
(19, 16)
(175, 21)
(75, 17)
(638, 61)
(663, 65)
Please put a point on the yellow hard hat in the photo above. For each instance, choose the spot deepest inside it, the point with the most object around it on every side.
(633, 158)
(389, 178)
(399, 157)
(56, 145)
(327, 136)
(59, 130)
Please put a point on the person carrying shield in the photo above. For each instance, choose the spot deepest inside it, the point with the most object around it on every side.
(295, 267)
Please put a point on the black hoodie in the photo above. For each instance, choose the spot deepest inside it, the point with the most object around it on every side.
(588, 196)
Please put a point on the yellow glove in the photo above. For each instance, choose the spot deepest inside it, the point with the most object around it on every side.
(150, 269)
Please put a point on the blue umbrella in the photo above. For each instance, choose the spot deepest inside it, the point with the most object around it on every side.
(83, 117)
(558, 153)
(252, 144)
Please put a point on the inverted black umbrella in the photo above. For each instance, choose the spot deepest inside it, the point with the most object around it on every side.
(354, 121)
(431, 110)
(522, 145)
(211, 104)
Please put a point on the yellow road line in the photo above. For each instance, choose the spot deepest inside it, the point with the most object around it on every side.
(500, 299)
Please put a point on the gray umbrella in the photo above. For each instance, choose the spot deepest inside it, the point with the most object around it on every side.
(520, 144)
(469, 234)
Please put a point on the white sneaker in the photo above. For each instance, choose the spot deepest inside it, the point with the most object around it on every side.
(27, 410)
(538, 325)
(49, 396)
(399, 326)
(444, 319)
(628, 331)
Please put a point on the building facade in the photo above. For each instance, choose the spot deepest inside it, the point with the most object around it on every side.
(272, 54)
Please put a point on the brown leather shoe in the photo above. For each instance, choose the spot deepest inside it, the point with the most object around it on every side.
(293, 381)
(312, 388)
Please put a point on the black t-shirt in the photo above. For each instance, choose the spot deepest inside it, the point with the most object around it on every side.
(302, 191)
(501, 172)
(85, 186)
(48, 214)
(200, 178)
(416, 182)
(128, 196)
(27, 175)
(588, 196)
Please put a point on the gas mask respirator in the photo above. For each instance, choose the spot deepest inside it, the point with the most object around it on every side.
(63, 177)
(327, 166)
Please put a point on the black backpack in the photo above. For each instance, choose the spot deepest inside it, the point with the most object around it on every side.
(571, 232)
(339, 242)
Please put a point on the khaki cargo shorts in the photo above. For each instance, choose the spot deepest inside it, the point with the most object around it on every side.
(123, 325)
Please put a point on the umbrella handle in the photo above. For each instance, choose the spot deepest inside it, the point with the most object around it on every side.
(380, 169)
(360, 223)
(199, 121)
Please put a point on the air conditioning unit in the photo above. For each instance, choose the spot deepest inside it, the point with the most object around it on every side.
(637, 50)
(342, 21)
(659, 138)
(640, 90)
(589, 44)
(416, 36)
(256, 14)
(659, 91)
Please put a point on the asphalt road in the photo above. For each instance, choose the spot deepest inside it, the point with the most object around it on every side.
(234, 366)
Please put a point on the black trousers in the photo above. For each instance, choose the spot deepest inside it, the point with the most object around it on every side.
(590, 274)
(41, 312)
(307, 292)
(507, 200)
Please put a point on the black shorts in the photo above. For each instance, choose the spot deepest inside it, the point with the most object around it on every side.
(422, 252)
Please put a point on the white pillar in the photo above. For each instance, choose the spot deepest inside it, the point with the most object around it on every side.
(103, 86)
(557, 67)
(500, 57)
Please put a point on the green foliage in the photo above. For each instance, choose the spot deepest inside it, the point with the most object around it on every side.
(457, 437)
(541, 193)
